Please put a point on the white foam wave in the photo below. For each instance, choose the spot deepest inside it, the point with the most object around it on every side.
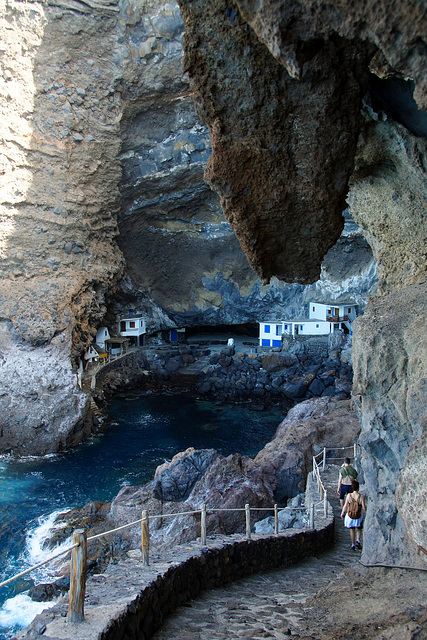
(20, 611)
(35, 551)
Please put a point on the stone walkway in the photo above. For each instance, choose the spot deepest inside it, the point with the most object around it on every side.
(269, 605)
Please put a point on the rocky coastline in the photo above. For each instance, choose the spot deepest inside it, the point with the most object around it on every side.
(318, 367)
(277, 474)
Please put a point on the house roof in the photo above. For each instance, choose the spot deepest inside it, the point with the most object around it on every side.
(97, 348)
(334, 303)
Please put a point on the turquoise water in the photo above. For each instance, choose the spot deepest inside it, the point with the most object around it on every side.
(140, 433)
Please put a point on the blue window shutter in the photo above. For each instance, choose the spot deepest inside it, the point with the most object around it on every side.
(267, 329)
(265, 343)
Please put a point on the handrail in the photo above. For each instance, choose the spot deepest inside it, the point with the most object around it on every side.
(62, 552)
(78, 560)
(353, 446)
(37, 566)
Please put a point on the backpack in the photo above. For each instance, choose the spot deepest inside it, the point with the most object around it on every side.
(354, 508)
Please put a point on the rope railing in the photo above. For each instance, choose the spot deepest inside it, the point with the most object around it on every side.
(78, 548)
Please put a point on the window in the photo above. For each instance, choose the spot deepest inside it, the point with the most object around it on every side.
(329, 312)
(265, 343)
(278, 329)
(142, 323)
(349, 311)
(106, 332)
(317, 326)
(314, 308)
(132, 324)
(301, 327)
(267, 328)
(286, 327)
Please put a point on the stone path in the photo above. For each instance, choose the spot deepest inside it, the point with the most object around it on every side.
(269, 605)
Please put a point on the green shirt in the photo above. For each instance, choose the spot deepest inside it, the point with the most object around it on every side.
(348, 472)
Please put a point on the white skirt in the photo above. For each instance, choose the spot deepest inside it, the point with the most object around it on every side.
(350, 523)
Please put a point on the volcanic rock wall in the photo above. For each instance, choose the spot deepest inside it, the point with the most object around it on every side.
(326, 49)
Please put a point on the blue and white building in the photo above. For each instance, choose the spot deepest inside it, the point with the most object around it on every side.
(324, 318)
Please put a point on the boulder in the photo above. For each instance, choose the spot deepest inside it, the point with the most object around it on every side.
(317, 387)
(307, 428)
(294, 389)
(276, 361)
(173, 364)
(209, 478)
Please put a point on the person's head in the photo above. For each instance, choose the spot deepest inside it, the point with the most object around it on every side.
(354, 485)
(346, 460)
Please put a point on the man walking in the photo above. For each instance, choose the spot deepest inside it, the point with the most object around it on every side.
(345, 477)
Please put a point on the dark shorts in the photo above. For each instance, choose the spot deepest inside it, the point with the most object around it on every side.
(344, 489)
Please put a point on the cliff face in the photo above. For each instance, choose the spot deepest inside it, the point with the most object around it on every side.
(327, 50)
(104, 206)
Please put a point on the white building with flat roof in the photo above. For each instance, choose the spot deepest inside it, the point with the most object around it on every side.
(324, 318)
(134, 328)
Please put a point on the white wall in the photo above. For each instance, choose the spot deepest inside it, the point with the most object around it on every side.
(101, 336)
(317, 310)
(271, 332)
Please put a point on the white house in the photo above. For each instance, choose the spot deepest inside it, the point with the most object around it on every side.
(270, 333)
(133, 328)
(101, 336)
(333, 311)
(324, 318)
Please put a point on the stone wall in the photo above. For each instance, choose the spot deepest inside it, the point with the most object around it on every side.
(130, 602)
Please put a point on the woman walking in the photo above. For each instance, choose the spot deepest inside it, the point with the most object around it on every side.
(353, 512)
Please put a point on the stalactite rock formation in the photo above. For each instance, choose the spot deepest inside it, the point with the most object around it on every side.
(316, 61)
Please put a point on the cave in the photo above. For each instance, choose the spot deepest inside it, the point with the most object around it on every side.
(287, 162)
(227, 330)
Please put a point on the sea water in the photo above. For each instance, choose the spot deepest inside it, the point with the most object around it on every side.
(140, 432)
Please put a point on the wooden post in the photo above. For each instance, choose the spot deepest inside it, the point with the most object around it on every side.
(78, 571)
(355, 449)
(248, 521)
(325, 503)
(312, 516)
(203, 525)
(314, 466)
(145, 538)
(324, 458)
(276, 520)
